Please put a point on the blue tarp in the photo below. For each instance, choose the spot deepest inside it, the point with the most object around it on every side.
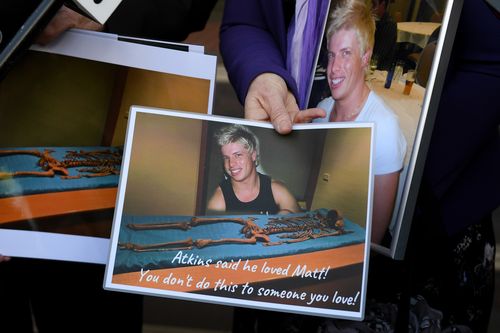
(128, 260)
(24, 185)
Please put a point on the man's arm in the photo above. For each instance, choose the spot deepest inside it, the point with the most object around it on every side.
(284, 198)
(253, 47)
(253, 42)
(384, 196)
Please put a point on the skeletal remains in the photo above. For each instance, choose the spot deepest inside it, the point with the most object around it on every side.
(293, 229)
(90, 163)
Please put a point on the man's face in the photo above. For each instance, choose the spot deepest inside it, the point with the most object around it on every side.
(346, 65)
(238, 162)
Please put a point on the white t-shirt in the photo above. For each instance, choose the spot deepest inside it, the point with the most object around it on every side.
(390, 143)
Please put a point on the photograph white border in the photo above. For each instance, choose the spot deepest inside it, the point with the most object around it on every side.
(104, 47)
(110, 285)
(406, 208)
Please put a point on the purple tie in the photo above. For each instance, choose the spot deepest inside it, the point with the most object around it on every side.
(304, 37)
(296, 36)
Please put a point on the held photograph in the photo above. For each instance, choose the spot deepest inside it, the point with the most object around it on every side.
(63, 111)
(228, 211)
(376, 64)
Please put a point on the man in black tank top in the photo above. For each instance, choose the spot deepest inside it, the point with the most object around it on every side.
(264, 203)
(244, 190)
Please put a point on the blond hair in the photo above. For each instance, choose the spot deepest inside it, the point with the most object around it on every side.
(236, 133)
(356, 15)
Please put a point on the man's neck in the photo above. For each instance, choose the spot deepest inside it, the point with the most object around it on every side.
(347, 110)
(247, 189)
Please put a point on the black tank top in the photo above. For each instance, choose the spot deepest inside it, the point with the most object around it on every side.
(263, 204)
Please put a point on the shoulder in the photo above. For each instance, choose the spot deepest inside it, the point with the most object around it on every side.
(387, 122)
(277, 183)
(375, 99)
(217, 202)
(284, 198)
(278, 187)
(377, 110)
(390, 142)
(327, 105)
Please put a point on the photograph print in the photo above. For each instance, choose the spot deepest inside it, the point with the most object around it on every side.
(227, 211)
(394, 56)
(62, 138)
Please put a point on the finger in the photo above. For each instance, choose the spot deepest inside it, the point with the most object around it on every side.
(254, 109)
(308, 115)
(49, 34)
(59, 23)
(279, 114)
(63, 20)
(269, 105)
(268, 98)
(4, 258)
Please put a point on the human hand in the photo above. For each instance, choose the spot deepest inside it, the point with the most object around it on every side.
(66, 19)
(4, 258)
(269, 99)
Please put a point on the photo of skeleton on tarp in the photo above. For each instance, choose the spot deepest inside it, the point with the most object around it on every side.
(63, 114)
(188, 223)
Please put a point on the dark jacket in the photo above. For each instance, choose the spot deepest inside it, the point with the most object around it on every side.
(253, 40)
(462, 171)
(171, 20)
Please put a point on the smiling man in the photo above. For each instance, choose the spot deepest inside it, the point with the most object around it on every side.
(350, 36)
(243, 188)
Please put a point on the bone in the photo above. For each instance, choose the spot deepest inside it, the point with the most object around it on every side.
(186, 244)
(292, 229)
(157, 226)
(201, 243)
(196, 221)
(52, 166)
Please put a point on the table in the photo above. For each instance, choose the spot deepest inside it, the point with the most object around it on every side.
(416, 32)
(27, 207)
(407, 107)
(24, 198)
